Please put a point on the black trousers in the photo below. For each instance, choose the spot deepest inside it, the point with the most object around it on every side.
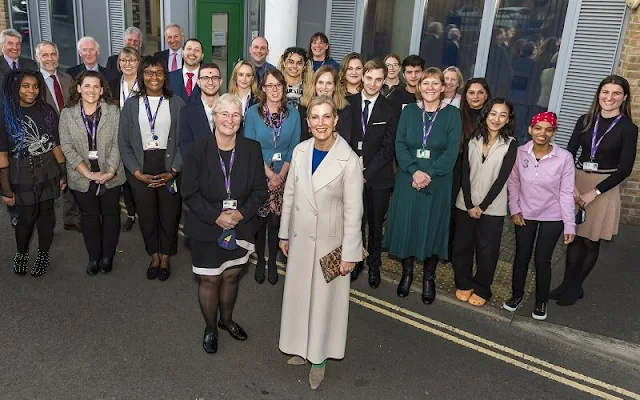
(376, 204)
(481, 237)
(100, 218)
(129, 203)
(159, 218)
(268, 230)
(71, 214)
(39, 215)
(548, 233)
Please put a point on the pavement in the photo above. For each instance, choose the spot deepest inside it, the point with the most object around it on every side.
(67, 335)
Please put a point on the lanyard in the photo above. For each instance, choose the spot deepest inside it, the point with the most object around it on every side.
(595, 145)
(94, 125)
(276, 131)
(227, 177)
(152, 119)
(124, 84)
(427, 131)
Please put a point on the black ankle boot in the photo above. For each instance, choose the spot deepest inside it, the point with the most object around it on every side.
(21, 263)
(407, 277)
(41, 264)
(272, 271)
(428, 281)
(260, 267)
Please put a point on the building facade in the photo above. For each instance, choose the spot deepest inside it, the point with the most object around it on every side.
(540, 54)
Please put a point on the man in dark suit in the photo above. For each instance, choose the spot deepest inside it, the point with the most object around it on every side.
(133, 38)
(89, 50)
(182, 82)
(172, 57)
(196, 118)
(58, 84)
(373, 139)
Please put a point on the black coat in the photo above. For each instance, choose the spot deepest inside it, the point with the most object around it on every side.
(177, 86)
(378, 144)
(203, 188)
(24, 63)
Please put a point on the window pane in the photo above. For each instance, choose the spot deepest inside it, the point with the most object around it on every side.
(450, 33)
(254, 18)
(145, 15)
(63, 31)
(20, 19)
(387, 28)
(523, 55)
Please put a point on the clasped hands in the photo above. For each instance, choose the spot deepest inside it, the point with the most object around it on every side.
(154, 181)
(228, 219)
(274, 181)
(584, 199)
(101, 177)
(420, 180)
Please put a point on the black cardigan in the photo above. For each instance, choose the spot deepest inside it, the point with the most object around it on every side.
(203, 188)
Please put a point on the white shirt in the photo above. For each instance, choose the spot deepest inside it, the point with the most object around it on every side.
(125, 93)
(373, 103)
(245, 102)
(208, 112)
(163, 122)
(186, 78)
(455, 102)
(178, 58)
(49, 81)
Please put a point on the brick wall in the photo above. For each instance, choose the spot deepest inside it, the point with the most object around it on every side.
(4, 15)
(630, 68)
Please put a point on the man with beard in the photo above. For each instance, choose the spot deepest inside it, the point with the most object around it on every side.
(182, 82)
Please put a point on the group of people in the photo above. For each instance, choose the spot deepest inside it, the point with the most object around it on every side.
(311, 158)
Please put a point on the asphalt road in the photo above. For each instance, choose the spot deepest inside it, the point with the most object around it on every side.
(67, 335)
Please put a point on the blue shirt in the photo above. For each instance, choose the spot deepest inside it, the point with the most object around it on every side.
(328, 61)
(318, 156)
(255, 128)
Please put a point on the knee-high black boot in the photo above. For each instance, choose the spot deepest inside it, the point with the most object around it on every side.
(407, 277)
(428, 280)
(574, 260)
(574, 290)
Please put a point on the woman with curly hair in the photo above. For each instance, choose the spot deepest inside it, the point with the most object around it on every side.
(351, 73)
(296, 68)
(32, 166)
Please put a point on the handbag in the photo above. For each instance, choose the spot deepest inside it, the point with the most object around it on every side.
(330, 263)
(581, 216)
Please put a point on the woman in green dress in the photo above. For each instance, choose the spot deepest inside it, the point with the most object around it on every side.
(427, 142)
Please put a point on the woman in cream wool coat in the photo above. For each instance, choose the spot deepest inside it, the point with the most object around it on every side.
(322, 210)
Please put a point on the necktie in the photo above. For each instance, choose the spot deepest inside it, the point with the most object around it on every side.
(14, 66)
(174, 62)
(189, 87)
(58, 92)
(365, 115)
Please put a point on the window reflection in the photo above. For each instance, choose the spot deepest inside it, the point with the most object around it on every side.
(387, 28)
(450, 34)
(523, 55)
(20, 22)
(63, 31)
(145, 15)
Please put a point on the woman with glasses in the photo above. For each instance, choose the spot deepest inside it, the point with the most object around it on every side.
(223, 187)
(89, 140)
(297, 71)
(244, 84)
(276, 125)
(392, 61)
(319, 50)
(324, 83)
(149, 149)
(124, 87)
(351, 73)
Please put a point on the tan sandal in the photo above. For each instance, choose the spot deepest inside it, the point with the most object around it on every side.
(463, 295)
(476, 300)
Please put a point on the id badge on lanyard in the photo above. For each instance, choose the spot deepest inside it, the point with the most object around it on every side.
(592, 166)
(154, 143)
(423, 152)
(229, 203)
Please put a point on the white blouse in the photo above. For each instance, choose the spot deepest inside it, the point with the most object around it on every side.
(163, 122)
(125, 93)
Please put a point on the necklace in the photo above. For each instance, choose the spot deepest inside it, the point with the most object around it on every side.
(430, 115)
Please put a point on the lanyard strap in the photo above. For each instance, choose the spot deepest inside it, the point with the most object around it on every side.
(227, 177)
(596, 144)
(94, 124)
(276, 131)
(427, 131)
(152, 118)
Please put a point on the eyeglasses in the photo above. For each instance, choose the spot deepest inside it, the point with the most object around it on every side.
(392, 65)
(227, 115)
(207, 79)
(272, 86)
(151, 74)
(130, 61)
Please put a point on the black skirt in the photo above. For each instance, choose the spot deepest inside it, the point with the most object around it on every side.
(35, 179)
(210, 259)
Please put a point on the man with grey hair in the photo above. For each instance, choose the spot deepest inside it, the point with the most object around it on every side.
(133, 38)
(11, 43)
(89, 50)
(172, 57)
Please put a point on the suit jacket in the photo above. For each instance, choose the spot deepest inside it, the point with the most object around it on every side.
(177, 86)
(66, 81)
(378, 144)
(203, 189)
(344, 126)
(193, 126)
(112, 63)
(24, 63)
(130, 138)
(75, 146)
(164, 56)
(106, 73)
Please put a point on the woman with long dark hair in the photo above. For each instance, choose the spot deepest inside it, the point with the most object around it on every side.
(32, 166)
(148, 142)
(89, 140)
(351, 73)
(276, 125)
(607, 138)
(481, 205)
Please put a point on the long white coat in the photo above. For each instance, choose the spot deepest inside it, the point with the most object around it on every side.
(320, 212)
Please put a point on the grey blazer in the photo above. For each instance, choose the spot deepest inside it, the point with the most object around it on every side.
(75, 146)
(130, 137)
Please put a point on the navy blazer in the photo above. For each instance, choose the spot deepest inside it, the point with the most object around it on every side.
(177, 86)
(24, 63)
(193, 126)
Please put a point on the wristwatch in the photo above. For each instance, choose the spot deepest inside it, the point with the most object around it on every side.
(598, 193)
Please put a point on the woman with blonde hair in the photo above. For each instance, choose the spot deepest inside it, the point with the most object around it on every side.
(325, 83)
(452, 81)
(351, 73)
(244, 84)
(297, 70)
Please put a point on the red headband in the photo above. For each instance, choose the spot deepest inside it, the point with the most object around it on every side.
(545, 117)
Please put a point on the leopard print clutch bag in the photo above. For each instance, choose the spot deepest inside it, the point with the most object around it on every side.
(330, 263)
